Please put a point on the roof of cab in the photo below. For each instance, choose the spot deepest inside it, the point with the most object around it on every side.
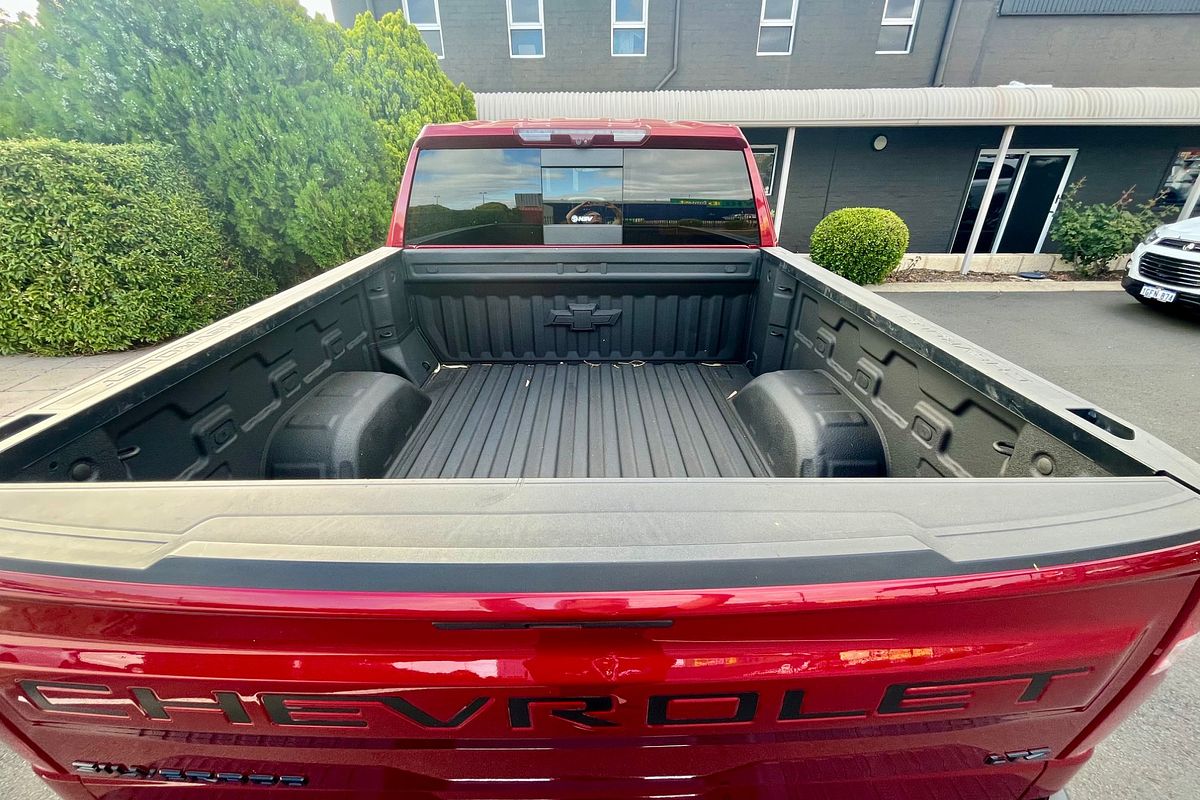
(661, 133)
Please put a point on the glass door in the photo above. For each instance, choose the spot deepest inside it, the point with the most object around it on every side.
(1023, 204)
(995, 213)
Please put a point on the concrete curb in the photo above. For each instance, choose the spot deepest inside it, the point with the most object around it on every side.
(1017, 285)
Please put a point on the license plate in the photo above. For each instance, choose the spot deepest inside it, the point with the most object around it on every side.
(1159, 294)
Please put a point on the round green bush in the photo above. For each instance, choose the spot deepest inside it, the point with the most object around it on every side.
(861, 244)
(106, 247)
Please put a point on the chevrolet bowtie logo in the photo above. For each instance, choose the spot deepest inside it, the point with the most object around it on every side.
(583, 316)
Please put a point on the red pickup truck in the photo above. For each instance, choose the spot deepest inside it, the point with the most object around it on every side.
(581, 488)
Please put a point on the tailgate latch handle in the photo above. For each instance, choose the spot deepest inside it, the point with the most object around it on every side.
(583, 316)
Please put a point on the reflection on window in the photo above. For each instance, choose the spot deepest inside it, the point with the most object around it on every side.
(476, 197)
(688, 197)
(629, 27)
(896, 29)
(582, 195)
(426, 17)
(526, 31)
(764, 158)
(506, 197)
(776, 27)
(995, 211)
(1179, 183)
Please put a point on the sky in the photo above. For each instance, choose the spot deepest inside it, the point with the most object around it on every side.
(314, 7)
(11, 8)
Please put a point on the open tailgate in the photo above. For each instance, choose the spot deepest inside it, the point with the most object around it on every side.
(973, 685)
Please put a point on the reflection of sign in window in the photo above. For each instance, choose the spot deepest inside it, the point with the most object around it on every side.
(1181, 177)
(764, 157)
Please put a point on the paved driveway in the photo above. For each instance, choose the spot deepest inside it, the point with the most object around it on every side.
(1144, 366)
(25, 380)
(1134, 362)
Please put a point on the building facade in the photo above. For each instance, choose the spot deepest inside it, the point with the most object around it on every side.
(729, 58)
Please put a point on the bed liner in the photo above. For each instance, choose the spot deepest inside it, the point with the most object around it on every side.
(609, 420)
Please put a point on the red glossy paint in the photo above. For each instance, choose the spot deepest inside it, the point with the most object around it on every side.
(661, 134)
(377, 662)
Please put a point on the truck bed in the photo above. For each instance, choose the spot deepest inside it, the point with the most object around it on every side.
(611, 420)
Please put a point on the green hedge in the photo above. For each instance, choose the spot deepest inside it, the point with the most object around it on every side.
(105, 247)
(244, 88)
(861, 244)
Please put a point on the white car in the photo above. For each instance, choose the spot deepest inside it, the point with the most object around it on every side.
(1165, 267)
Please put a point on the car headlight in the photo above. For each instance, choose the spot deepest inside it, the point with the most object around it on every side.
(1152, 237)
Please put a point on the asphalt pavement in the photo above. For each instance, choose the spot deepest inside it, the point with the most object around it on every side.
(1132, 361)
(1143, 365)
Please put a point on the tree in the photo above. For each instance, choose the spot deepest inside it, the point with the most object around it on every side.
(245, 88)
(396, 78)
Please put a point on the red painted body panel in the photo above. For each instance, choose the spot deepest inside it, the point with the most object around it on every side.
(409, 708)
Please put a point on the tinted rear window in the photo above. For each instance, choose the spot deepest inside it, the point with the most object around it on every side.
(528, 196)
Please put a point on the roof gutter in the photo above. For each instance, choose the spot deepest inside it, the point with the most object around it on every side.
(939, 70)
(674, 50)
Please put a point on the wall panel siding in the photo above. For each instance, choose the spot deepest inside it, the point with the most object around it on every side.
(1044, 7)
(923, 173)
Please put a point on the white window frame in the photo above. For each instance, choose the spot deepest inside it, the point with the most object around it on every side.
(643, 26)
(425, 26)
(763, 22)
(540, 25)
(1025, 154)
(773, 149)
(910, 21)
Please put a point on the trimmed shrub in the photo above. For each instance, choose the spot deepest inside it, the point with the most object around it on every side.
(861, 244)
(105, 247)
(245, 88)
(397, 80)
(1091, 236)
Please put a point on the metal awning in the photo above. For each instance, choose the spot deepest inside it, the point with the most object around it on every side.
(991, 105)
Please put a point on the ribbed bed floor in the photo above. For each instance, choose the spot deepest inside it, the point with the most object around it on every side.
(581, 420)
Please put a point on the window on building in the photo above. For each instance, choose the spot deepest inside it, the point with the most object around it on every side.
(426, 17)
(764, 157)
(629, 27)
(526, 31)
(899, 24)
(776, 27)
(1182, 176)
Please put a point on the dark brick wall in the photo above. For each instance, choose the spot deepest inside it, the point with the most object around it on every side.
(834, 47)
(577, 46)
(1130, 50)
(344, 11)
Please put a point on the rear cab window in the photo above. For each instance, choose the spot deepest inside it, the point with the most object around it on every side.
(583, 196)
